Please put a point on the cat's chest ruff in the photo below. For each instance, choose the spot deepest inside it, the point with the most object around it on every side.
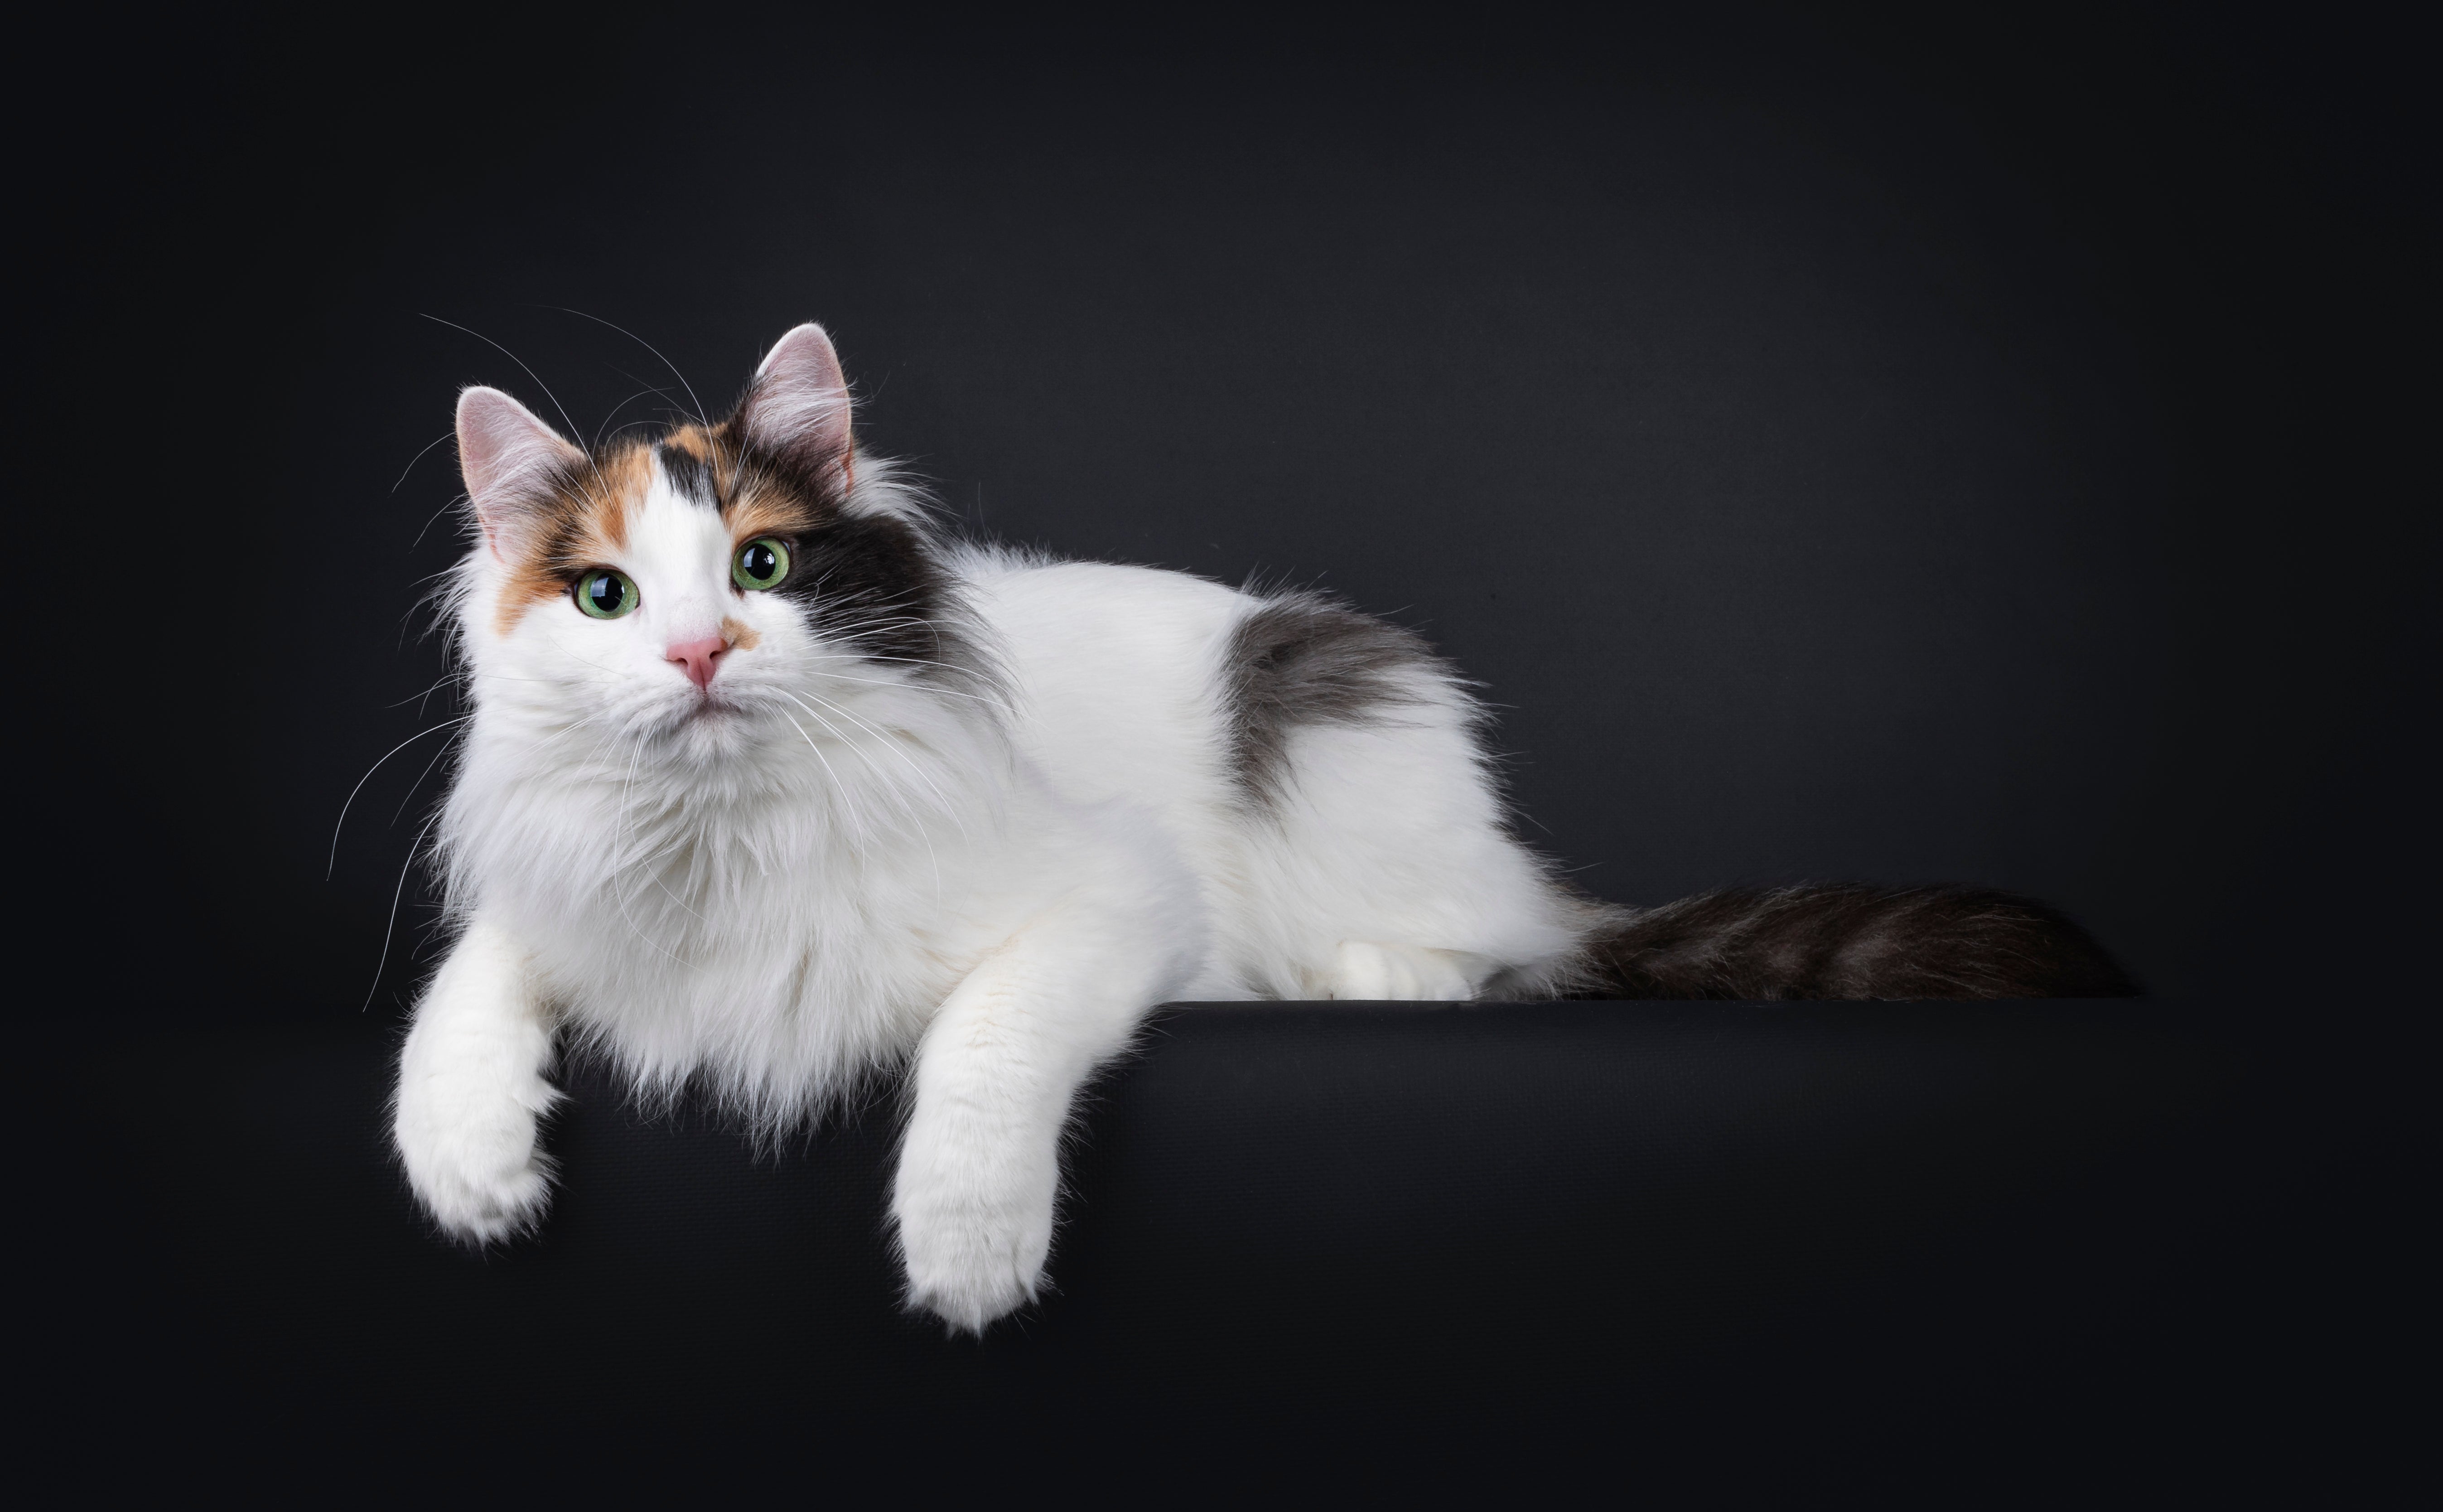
(761, 895)
(755, 954)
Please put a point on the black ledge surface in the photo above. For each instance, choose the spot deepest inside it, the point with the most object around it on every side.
(1528, 1232)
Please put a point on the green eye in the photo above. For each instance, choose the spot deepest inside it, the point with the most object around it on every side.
(605, 595)
(761, 563)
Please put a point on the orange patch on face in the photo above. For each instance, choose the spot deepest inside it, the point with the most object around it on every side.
(626, 476)
(741, 635)
(582, 524)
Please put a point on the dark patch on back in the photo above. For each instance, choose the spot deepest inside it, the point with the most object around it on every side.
(1850, 941)
(691, 477)
(1302, 658)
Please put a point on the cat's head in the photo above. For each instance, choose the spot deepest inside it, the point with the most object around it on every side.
(718, 586)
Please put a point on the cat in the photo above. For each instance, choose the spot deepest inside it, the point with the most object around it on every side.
(770, 786)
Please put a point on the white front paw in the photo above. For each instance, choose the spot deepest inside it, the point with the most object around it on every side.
(973, 1254)
(472, 1154)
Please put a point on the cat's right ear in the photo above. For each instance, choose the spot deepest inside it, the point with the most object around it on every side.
(513, 464)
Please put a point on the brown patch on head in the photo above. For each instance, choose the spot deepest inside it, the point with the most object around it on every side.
(694, 440)
(741, 635)
(580, 521)
(764, 495)
(771, 512)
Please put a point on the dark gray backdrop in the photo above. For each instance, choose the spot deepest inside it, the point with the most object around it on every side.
(1904, 448)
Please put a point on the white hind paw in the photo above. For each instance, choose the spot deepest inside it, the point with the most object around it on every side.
(1363, 971)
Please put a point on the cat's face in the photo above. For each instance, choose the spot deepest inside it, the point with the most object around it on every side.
(708, 591)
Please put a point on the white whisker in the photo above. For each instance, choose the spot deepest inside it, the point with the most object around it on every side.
(700, 417)
(391, 927)
(419, 782)
(947, 808)
(838, 789)
(418, 457)
(886, 787)
(331, 862)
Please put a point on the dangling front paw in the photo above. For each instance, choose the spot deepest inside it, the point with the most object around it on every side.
(472, 1154)
(973, 1254)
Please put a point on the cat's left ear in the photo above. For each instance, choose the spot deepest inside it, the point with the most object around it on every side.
(798, 409)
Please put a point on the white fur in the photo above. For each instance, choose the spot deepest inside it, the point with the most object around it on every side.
(847, 864)
(471, 1087)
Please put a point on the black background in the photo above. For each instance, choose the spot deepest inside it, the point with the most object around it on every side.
(1900, 445)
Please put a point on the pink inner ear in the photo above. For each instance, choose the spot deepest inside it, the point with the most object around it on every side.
(504, 453)
(799, 408)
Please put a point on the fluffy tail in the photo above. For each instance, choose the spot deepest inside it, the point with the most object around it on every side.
(1850, 941)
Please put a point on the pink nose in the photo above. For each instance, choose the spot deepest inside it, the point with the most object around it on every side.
(701, 658)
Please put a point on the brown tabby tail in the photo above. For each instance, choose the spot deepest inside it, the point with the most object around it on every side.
(1852, 941)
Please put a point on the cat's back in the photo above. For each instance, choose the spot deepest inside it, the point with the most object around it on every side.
(1113, 668)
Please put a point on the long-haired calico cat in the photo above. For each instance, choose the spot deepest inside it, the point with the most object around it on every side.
(769, 787)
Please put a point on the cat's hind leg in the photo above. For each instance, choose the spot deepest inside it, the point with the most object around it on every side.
(472, 1093)
(1363, 971)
